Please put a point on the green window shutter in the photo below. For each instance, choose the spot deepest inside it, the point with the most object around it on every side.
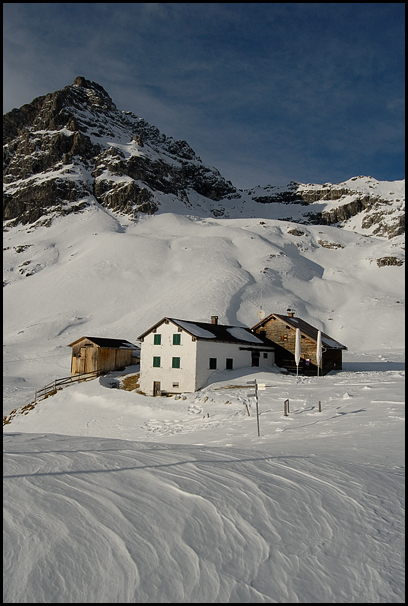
(177, 339)
(157, 339)
(213, 363)
(156, 362)
(175, 363)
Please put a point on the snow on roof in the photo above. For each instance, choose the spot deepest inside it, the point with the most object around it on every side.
(195, 329)
(218, 332)
(243, 334)
(331, 343)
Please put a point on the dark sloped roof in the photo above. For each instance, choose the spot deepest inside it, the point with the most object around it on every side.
(216, 332)
(305, 328)
(111, 343)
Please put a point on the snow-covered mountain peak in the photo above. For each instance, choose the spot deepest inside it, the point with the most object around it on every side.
(73, 148)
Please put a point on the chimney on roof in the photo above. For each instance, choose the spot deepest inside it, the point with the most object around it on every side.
(291, 312)
(214, 319)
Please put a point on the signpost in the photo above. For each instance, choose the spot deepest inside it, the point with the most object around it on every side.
(258, 386)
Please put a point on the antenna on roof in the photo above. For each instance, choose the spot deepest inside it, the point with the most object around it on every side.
(261, 313)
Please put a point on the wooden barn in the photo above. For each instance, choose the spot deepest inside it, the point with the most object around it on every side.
(282, 331)
(99, 354)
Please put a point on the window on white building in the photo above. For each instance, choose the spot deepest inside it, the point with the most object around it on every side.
(175, 363)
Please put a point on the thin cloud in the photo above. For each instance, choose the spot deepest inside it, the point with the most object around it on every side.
(300, 87)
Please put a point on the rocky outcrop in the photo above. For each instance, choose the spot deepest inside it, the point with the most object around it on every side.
(127, 198)
(69, 145)
(387, 261)
(31, 203)
(380, 215)
(345, 211)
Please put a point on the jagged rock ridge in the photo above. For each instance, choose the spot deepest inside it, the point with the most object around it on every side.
(74, 143)
(72, 148)
(379, 205)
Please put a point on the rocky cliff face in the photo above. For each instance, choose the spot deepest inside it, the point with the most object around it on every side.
(72, 148)
(380, 208)
(362, 203)
(68, 146)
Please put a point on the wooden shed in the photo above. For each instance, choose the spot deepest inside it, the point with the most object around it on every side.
(281, 330)
(100, 354)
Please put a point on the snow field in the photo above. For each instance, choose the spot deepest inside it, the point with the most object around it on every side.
(98, 520)
(193, 506)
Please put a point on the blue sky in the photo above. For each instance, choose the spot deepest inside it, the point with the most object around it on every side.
(267, 93)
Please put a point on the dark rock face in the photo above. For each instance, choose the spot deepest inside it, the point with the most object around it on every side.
(351, 202)
(67, 146)
(387, 261)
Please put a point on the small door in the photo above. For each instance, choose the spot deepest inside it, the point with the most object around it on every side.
(156, 388)
(80, 364)
(255, 358)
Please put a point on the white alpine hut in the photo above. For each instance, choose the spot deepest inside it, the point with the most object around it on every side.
(180, 356)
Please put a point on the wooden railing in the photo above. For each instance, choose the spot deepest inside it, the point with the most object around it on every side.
(51, 388)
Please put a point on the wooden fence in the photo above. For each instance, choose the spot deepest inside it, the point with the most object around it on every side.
(51, 388)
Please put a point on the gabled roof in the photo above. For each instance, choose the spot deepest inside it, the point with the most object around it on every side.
(305, 328)
(110, 343)
(215, 332)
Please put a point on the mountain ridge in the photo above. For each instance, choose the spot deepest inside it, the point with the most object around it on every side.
(73, 148)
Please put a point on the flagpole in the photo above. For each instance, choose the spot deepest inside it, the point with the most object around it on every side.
(319, 356)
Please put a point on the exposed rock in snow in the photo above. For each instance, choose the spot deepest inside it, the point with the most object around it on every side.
(73, 148)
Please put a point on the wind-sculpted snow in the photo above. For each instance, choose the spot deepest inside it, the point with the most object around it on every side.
(99, 520)
(177, 499)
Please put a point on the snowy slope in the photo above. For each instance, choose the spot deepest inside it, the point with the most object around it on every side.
(99, 274)
(178, 500)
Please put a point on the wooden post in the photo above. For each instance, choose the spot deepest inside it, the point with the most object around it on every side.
(247, 410)
(320, 406)
(286, 402)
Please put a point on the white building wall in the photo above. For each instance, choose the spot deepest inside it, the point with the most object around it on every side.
(241, 359)
(268, 361)
(166, 375)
